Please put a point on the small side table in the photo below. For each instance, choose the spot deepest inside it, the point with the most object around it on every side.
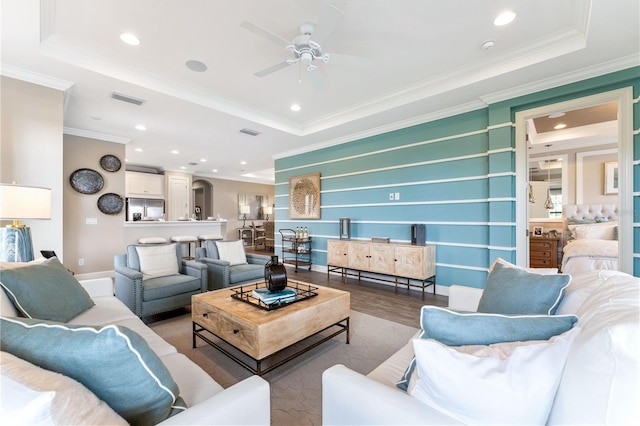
(246, 235)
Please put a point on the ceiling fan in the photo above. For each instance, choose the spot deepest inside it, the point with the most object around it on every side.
(306, 48)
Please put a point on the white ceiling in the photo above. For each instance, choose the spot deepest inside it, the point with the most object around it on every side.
(425, 60)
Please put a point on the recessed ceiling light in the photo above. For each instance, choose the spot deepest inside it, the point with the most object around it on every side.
(559, 126)
(556, 115)
(504, 18)
(141, 127)
(175, 152)
(294, 107)
(130, 39)
(183, 167)
(214, 170)
(196, 66)
(243, 162)
(203, 160)
(138, 150)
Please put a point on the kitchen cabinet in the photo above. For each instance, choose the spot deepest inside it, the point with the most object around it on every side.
(400, 261)
(144, 185)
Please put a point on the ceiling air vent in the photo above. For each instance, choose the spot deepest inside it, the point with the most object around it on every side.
(126, 98)
(249, 132)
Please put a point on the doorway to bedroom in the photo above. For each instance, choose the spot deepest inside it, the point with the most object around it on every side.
(575, 165)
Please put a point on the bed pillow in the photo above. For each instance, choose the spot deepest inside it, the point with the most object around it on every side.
(46, 291)
(594, 232)
(232, 252)
(517, 292)
(505, 383)
(113, 362)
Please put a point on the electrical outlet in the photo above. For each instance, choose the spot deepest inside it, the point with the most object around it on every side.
(397, 195)
(391, 198)
(80, 262)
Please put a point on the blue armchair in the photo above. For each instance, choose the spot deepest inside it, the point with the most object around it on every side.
(153, 278)
(233, 267)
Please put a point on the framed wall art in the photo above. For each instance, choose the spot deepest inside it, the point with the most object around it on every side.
(611, 177)
(304, 196)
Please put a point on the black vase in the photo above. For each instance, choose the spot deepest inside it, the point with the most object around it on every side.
(275, 275)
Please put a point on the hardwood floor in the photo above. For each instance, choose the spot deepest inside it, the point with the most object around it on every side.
(372, 298)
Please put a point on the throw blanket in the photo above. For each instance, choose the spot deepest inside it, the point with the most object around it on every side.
(587, 247)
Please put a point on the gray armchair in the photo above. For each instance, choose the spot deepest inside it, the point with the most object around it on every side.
(153, 278)
(221, 273)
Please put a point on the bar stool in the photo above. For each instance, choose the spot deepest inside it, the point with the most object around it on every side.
(205, 237)
(185, 239)
(152, 240)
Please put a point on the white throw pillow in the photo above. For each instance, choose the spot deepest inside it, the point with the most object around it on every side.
(504, 383)
(541, 271)
(158, 261)
(595, 231)
(232, 252)
(22, 405)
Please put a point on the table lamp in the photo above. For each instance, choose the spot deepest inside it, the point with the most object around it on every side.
(21, 202)
(267, 211)
(244, 210)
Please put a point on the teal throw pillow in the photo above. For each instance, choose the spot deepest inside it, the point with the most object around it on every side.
(45, 291)
(518, 292)
(113, 362)
(453, 328)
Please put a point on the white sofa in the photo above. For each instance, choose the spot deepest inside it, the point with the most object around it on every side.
(207, 401)
(600, 383)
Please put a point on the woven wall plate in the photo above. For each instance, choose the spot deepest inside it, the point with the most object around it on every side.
(110, 203)
(110, 163)
(86, 181)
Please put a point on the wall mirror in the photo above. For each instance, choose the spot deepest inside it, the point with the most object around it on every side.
(257, 206)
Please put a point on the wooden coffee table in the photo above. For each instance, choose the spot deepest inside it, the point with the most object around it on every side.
(262, 334)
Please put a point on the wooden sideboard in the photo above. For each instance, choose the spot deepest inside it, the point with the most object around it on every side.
(411, 262)
(543, 252)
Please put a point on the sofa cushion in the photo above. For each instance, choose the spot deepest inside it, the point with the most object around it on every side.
(161, 287)
(514, 291)
(46, 291)
(157, 260)
(245, 272)
(470, 328)
(600, 381)
(71, 402)
(231, 251)
(131, 379)
(505, 383)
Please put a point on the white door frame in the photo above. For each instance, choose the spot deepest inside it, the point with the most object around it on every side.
(624, 98)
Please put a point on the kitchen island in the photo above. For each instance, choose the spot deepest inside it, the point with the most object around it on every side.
(167, 229)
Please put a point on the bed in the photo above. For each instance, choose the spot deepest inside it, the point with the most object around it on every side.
(591, 232)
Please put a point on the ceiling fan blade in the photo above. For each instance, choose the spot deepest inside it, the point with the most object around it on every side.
(327, 23)
(265, 34)
(349, 60)
(271, 69)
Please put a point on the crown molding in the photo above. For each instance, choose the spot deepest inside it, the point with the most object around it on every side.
(95, 135)
(35, 77)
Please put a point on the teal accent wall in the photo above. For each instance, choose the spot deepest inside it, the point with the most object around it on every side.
(455, 175)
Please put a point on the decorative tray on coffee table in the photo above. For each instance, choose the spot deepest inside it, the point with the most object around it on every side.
(244, 293)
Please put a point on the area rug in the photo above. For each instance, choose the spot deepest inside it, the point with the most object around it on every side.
(296, 387)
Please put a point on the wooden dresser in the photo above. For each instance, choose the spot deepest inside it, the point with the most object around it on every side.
(543, 252)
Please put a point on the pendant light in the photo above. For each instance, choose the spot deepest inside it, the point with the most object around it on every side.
(532, 199)
(548, 204)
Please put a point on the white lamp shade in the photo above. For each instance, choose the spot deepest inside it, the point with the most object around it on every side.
(24, 202)
(245, 209)
(268, 210)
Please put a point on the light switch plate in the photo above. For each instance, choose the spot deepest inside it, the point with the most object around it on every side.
(91, 221)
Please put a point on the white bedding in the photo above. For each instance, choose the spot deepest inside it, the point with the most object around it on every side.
(588, 255)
